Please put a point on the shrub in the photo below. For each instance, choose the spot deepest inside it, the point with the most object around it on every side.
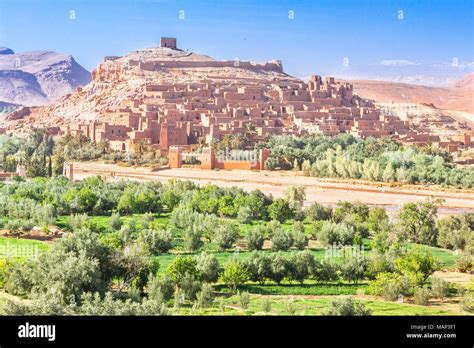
(417, 265)
(192, 239)
(255, 238)
(126, 234)
(134, 294)
(439, 287)
(208, 266)
(258, 266)
(160, 288)
(157, 241)
(348, 307)
(455, 231)
(326, 271)
(3, 268)
(146, 220)
(190, 285)
(234, 274)
(280, 210)
(380, 242)
(334, 233)
(354, 269)
(205, 297)
(244, 300)
(114, 222)
(378, 263)
(464, 263)
(290, 307)
(281, 240)
(306, 168)
(388, 285)
(244, 215)
(318, 212)
(301, 266)
(300, 240)
(77, 221)
(422, 296)
(279, 267)
(271, 227)
(19, 225)
(178, 299)
(18, 278)
(418, 222)
(467, 303)
(225, 236)
(315, 228)
(377, 221)
(266, 305)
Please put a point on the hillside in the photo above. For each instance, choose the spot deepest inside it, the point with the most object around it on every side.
(459, 96)
(123, 78)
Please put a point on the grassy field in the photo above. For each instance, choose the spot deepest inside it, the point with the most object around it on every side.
(311, 306)
(309, 287)
(445, 257)
(21, 248)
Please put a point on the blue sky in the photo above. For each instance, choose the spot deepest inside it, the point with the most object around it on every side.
(321, 35)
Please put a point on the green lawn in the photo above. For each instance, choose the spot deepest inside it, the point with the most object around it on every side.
(103, 220)
(21, 248)
(446, 257)
(309, 287)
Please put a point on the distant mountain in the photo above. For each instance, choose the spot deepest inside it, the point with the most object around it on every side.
(38, 77)
(6, 108)
(466, 82)
(459, 96)
(404, 71)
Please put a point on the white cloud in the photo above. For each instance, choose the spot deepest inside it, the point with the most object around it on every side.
(397, 62)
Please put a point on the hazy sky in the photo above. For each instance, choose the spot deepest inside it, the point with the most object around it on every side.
(318, 38)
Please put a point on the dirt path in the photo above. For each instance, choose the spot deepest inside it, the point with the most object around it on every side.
(327, 191)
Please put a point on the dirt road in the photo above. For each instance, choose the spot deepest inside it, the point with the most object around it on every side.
(326, 191)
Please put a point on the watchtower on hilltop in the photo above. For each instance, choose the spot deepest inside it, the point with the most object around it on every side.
(169, 42)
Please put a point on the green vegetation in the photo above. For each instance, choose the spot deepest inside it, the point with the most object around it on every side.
(375, 159)
(177, 248)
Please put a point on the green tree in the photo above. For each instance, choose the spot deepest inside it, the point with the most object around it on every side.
(280, 210)
(417, 264)
(255, 238)
(180, 266)
(418, 222)
(281, 240)
(208, 266)
(234, 275)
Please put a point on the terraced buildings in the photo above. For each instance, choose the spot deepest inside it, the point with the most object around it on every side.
(165, 97)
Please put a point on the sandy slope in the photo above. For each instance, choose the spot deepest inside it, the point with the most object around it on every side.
(458, 97)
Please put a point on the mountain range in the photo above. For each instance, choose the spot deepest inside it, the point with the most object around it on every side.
(404, 71)
(38, 77)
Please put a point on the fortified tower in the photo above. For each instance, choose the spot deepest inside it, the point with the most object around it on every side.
(168, 42)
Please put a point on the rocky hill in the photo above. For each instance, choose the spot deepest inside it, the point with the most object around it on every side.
(38, 77)
(122, 78)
